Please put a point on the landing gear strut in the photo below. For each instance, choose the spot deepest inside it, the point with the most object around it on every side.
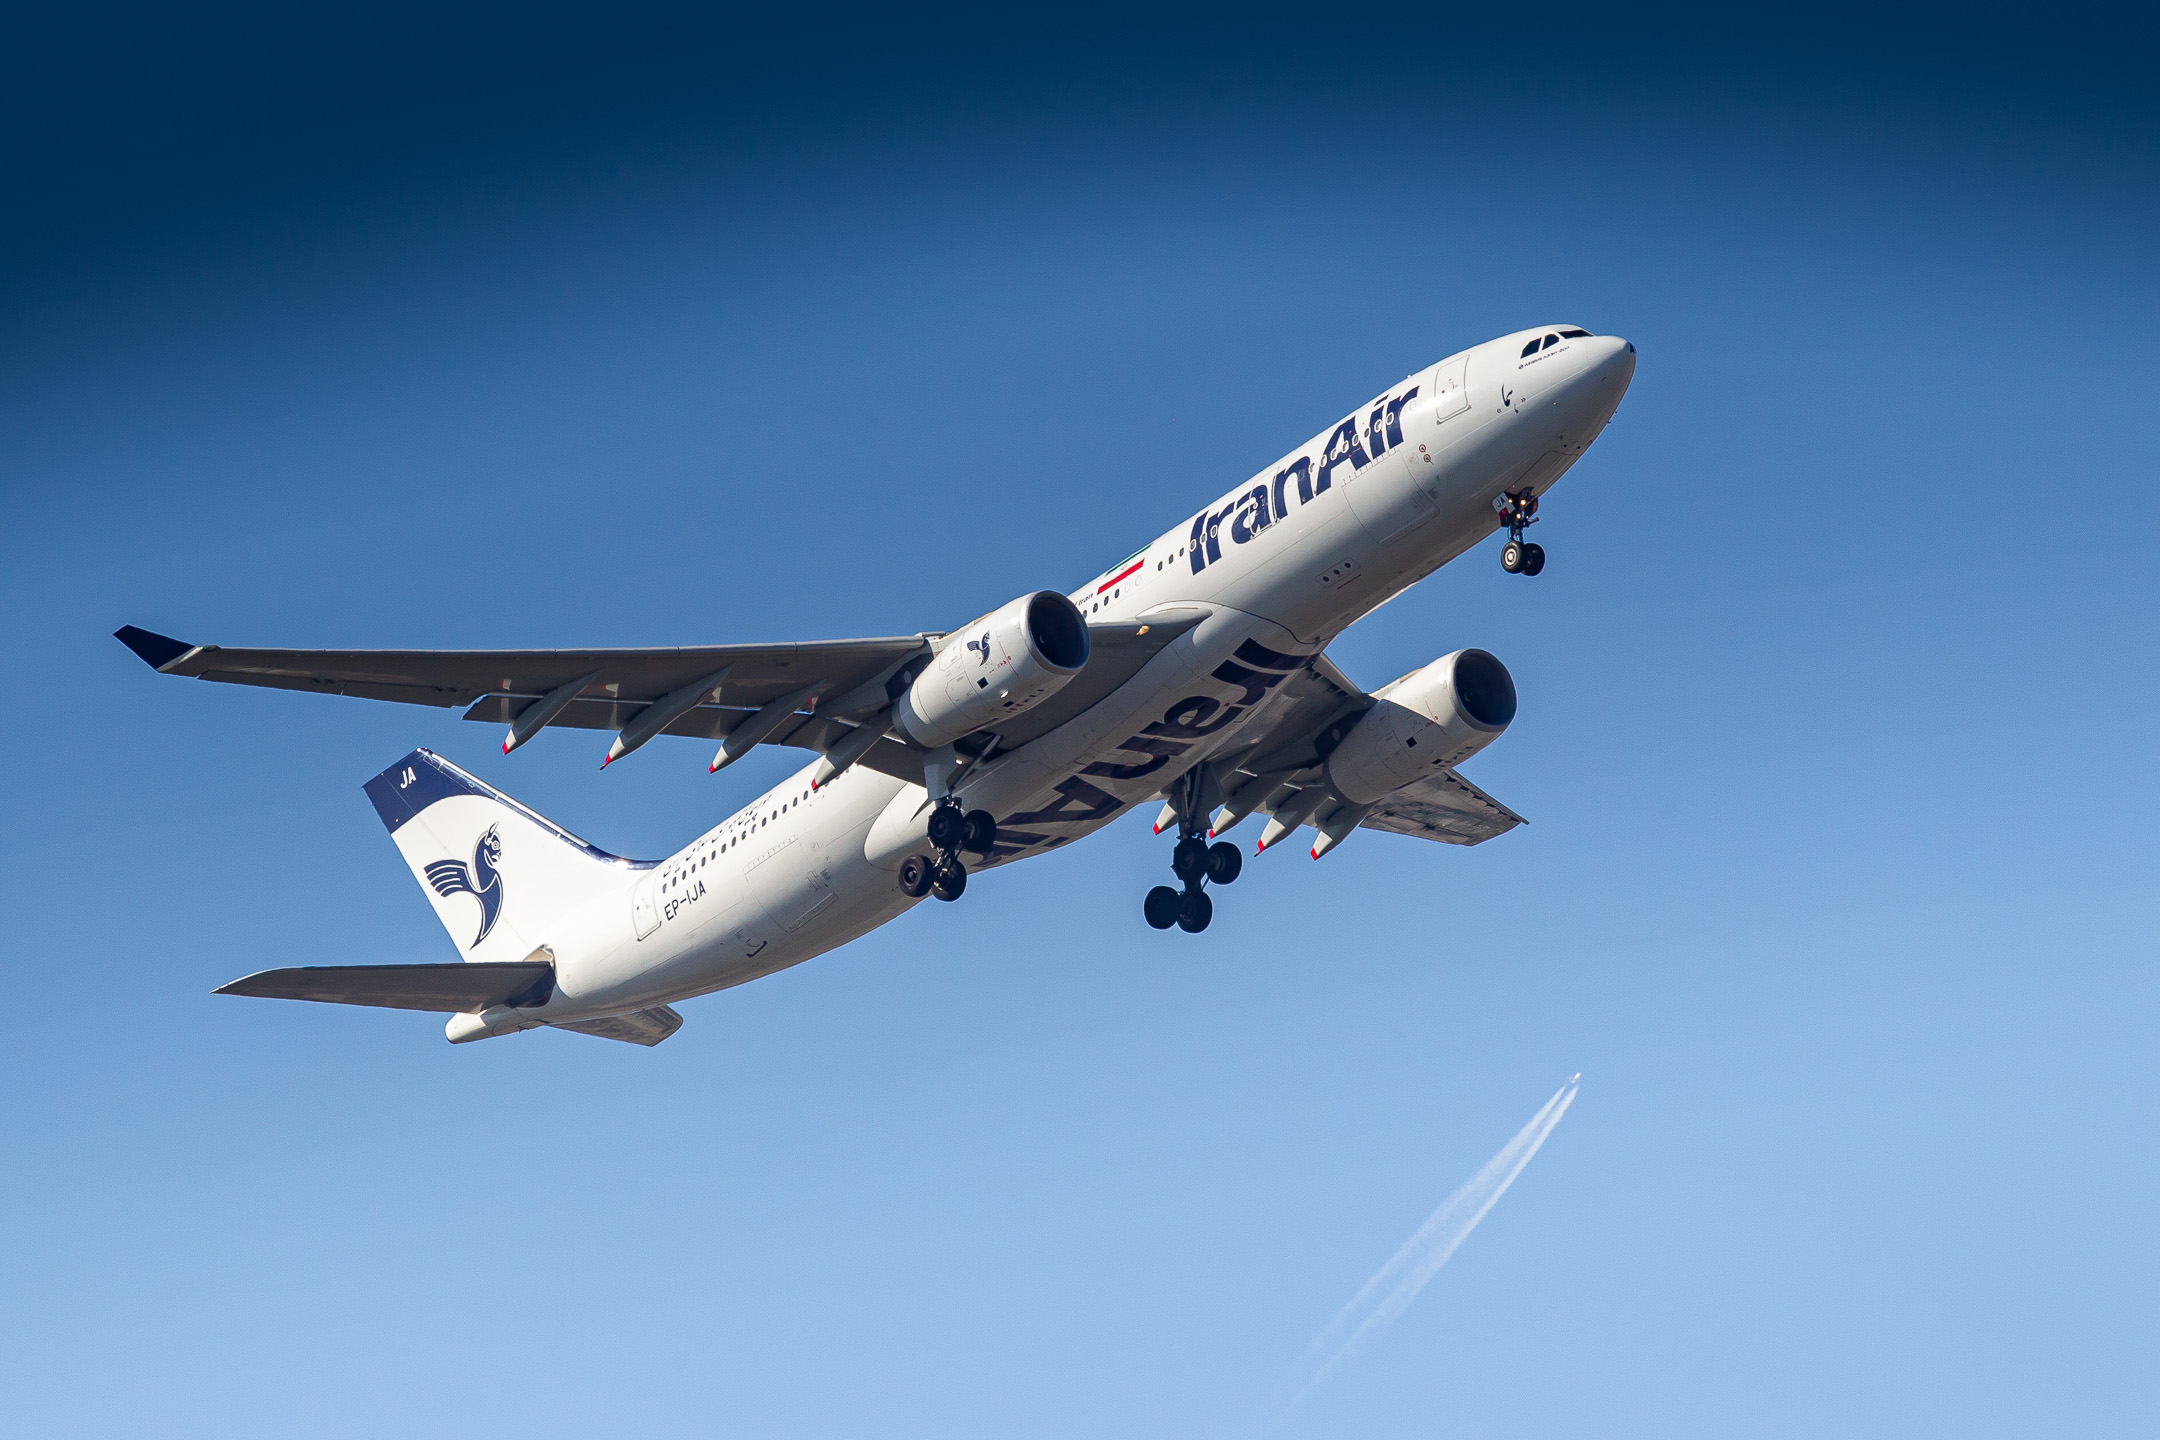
(1518, 510)
(951, 831)
(1193, 860)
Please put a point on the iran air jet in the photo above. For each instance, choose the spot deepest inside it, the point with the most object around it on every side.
(1191, 673)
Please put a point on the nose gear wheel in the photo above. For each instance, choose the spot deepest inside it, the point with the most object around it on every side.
(1518, 511)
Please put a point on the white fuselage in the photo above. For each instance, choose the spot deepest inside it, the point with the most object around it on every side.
(1280, 565)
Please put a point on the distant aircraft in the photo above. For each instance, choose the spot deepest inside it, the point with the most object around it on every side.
(1190, 672)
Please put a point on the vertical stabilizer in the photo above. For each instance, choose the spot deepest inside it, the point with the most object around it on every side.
(497, 873)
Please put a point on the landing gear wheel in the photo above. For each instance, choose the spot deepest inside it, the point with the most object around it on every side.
(949, 880)
(1189, 860)
(1161, 907)
(979, 832)
(1518, 511)
(947, 825)
(915, 877)
(1224, 861)
(1194, 911)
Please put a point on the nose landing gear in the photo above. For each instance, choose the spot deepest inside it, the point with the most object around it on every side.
(1518, 510)
(951, 832)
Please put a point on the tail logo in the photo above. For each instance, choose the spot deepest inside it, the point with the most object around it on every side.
(981, 648)
(481, 880)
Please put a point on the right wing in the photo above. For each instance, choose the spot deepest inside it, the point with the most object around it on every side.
(496, 685)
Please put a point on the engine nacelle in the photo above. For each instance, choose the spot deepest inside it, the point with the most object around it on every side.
(1010, 660)
(1440, 715)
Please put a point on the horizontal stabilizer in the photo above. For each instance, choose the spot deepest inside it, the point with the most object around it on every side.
(464, 987)
(639, 1027)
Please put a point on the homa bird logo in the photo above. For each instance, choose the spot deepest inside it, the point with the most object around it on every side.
(482, 881)
(981, 648)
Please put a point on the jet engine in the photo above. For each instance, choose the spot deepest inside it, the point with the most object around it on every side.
(1016, 657)
(1440, 715)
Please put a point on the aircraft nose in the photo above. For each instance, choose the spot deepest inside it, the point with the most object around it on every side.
(1611, 362)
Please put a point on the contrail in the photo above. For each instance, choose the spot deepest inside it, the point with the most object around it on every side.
(1390, 1292)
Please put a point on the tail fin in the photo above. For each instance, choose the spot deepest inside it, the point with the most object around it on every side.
(497, 873)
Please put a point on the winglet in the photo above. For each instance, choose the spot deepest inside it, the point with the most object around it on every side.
(157, 650)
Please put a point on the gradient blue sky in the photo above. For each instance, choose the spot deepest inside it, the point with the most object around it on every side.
(427, 327)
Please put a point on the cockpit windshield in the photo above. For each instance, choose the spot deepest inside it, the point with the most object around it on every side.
(1551, 340)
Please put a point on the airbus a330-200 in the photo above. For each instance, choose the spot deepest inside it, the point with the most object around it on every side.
(1191, 673)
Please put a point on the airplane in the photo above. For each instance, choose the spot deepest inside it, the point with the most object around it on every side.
(1191, 672)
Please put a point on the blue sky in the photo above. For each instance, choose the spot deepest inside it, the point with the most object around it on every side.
(1835, 734)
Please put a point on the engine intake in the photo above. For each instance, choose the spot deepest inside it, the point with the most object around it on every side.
(1010, 660)
(1438, 716)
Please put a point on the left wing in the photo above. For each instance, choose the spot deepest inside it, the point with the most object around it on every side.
(1444, 807)
(1280, 771)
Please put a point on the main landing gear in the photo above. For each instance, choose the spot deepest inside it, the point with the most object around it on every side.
(1518, 509)
(951, 832)
(1193, 861)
